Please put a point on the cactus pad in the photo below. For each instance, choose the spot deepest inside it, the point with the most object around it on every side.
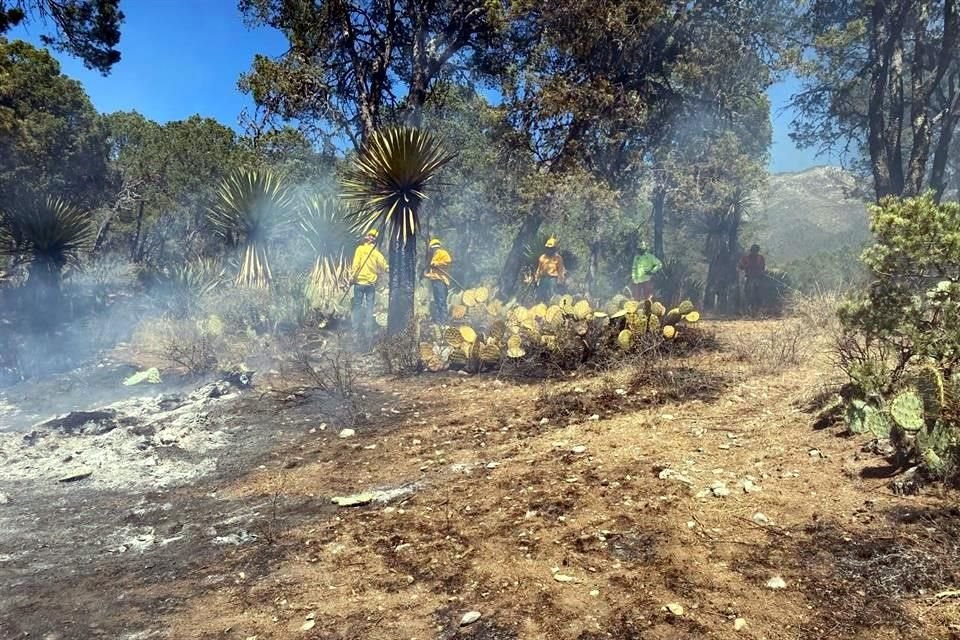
(669, 332)
(685, 307)
(625, 339)
(906, 408)
(930, 386)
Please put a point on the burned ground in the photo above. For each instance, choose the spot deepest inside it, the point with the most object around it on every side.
(576, 508)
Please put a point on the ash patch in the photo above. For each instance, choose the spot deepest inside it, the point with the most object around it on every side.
(160, 442)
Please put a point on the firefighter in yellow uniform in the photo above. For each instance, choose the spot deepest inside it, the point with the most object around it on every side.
(368, 265)
(550, 272)
(439, 276)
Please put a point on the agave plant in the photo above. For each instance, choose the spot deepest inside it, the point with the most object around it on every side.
(386, 183)
(49, 235)
(253, 207)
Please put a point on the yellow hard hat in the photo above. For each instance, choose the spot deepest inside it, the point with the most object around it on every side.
(551, 242)
(372, 232)
(435, 242)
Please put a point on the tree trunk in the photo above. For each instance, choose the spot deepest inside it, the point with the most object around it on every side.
(659, 221)
(593, 270)
(942, 151)
(403, 283)
(135, 243)
(513, 262)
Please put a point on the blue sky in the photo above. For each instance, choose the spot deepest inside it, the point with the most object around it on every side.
(181, 57)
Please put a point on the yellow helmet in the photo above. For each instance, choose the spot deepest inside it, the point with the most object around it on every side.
(551, 242)
(434, 243)
(373, 233)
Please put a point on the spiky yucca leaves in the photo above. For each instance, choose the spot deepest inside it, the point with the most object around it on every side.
(323, 223)
(385, 184)
(51, 234)
(253, 207)
(325, 226)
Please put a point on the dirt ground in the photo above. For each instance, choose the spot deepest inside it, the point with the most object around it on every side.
(693, 501)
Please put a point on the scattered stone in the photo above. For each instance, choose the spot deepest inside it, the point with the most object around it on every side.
(594, 417)
(545, 421)
(749, 486)
(469, 618)
(594, 593)
(670, 474)
(346, 433)
(815, 453)
(579, 449)
(579, 390)
(76, 475)
(739, 624)
(559, 577)
(151, 375)
(719, 489)
(759, 518)
(356, 500)
(724, 446)
(4, 498)
(309, 624)
(674, 608)
(620, 392)
(492, 465)
(776, 582)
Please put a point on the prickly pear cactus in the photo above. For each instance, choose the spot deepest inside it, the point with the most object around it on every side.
(906, 409)
(930, 386)
(862, 417)
(685, 307)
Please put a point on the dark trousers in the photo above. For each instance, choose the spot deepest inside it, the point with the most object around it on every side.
(546, 289)
(363, 299)
(439, 307)
(642, 290)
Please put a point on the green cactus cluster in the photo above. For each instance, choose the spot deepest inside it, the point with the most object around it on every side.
(918, 419)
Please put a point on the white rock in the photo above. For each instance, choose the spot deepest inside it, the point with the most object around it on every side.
(675, 608)
(749, 487)
(594, 417)
(309, 624)
(469, 618)
(776, 582)
(579, 449)
(346, 433)
(594, 593)
(4, 498)
(761, 519)
(739, 624)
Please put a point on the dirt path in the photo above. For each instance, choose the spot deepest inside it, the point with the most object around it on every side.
(578, 509)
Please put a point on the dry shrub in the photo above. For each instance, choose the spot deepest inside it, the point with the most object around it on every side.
(787, 344)
(817, 310)
(189, 346)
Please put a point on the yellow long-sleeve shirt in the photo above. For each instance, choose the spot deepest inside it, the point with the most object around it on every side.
(440, 266)
(551, 266)
(368, 264)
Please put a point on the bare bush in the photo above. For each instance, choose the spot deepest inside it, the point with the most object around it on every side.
(817, 310)
(789, 343)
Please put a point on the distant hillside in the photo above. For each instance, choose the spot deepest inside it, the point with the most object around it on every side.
(805, 213)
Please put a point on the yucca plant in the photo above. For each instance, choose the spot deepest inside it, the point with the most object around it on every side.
(49, 235)
(324, 226)
(253, 207)
(385, 184)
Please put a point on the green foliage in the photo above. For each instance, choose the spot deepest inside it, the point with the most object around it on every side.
(913, 305)
(253, 208)
(87, 29)
(51, 139)
(901, 337)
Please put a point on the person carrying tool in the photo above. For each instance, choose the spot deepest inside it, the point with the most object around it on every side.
(645, 265)
(754, 268)
(550, 271)
(439, 276)
(368, 265)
